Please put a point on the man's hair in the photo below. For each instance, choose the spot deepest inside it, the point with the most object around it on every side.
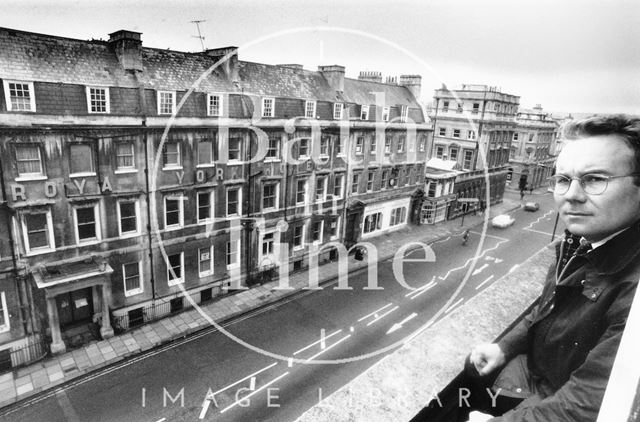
(624, 126)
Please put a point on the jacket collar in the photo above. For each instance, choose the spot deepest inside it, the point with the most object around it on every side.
(618, 252)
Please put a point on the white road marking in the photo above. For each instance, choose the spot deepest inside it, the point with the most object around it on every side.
(482, 284)
(378, 318)
(454, 305)
(328, 348)
(540, 232)
(316, 342)
(398, 325)
(203, 412)
(164, 419)
(513, 269)
(421, 291)
(245, 378)
(255, 392)
(323, 343)
(290, 362)
(538, 220)
(252, 383)
(375, 312)
(479, 270)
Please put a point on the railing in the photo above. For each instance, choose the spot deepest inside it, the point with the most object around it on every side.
(35, 349)
(139, 316)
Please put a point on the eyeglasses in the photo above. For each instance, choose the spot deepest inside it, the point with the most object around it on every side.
(591, 184)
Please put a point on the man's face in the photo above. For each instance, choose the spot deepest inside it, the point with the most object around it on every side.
(597, 216)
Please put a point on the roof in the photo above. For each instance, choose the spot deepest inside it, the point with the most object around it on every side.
(363, 92)
(440, 164)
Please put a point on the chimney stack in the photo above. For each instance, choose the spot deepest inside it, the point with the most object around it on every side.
(334, 74)
(392, 80)
(371, 76)
(230, 64)
(128, 48)
(413, 83)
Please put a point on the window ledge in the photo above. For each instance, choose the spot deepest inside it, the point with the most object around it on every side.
(205, 166)
(86, 174)
(132, 292)
(170, 168)
(30, 178)
(175, 282)
(126, 171)
(172, 228)
(129, 235)
(35, 252)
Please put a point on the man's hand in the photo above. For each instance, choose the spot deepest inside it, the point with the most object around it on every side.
(487, 357)
(478, 417)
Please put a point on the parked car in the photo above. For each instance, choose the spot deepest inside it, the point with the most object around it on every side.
(502, 221)
(531, 206)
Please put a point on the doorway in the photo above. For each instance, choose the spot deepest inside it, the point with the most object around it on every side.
(75, 307)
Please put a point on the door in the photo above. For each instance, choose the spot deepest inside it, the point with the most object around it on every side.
(75, 306)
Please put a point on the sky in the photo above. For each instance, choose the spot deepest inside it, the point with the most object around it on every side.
(578, 56)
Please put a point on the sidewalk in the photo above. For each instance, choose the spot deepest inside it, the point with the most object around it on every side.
(59, 369)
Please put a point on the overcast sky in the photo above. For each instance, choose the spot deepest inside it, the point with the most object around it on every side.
(570, 56)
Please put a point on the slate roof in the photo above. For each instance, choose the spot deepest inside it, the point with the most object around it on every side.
(46, 58)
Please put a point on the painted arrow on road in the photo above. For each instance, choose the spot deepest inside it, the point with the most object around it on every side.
(479, 270)
(398, 325)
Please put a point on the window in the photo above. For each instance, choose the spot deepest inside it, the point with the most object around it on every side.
(87, 224)
(364, 112)
(268, 242)
(205, 261)
(401, 143)
(372, 146)
(431, 189)
(301, 191)
(445, 106)
(171, 155)
(81, 160)
(359, 145)
(128, 217)
(397, 216)
(456, 133)
(214, 103)
(384, 179)
(476, 108)
(372, 222)
(310, 109)
(404, 113)
(370, 176)
(496, 107)
(206, 154)
(37, 229)
(173, 213)
(270, 196)
(205, 206)
(423, 144)
(335, 227)
(166, 102)
(337, 111)
(439, 151)
(125, 156)
(303, 152)
(338, 181)
(19, 96)
(29, 160)
(515, 136)
(4, 314)
(471, 134)
(316, 231)
(98, 99)
(273, 148)
(442, 131)
(174, 269)
(453, 154)
(233, 254)
(324, 146)
(233, 202)
(468, 159)
(385, 114)
(235, 149)
(459, 108)
(355, 182)
(267, 107)
(338, 145)
(131, 274)
(298, 237)
(321, 188)
(387, 145)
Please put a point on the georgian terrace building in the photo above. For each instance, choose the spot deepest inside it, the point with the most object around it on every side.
(126, 183)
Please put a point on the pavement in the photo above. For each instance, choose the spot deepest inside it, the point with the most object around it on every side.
(58, 370)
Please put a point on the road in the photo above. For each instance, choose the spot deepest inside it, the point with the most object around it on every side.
(211, 377)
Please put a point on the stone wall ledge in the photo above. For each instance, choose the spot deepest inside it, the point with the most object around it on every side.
(402, 383)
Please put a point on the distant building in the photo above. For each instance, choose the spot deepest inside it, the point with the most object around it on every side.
(108, 216)
(532, 157)
(472, 122)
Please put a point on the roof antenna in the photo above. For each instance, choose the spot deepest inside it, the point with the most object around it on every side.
(199, 36)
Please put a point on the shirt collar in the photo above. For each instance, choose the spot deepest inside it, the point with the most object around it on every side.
(605, 240)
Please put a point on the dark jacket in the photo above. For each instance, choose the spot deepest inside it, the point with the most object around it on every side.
(571, 337)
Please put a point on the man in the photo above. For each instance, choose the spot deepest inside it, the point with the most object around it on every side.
(555, 365)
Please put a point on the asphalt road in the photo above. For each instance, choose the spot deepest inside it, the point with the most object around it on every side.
(301, 350)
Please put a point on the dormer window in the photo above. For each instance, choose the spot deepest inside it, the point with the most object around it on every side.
(310, 109)
(364, 112)
(214, 105)
(337, 111)
(19, 96)
(98, 99)
(166, 102)
(385, 114)
(267, 107)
